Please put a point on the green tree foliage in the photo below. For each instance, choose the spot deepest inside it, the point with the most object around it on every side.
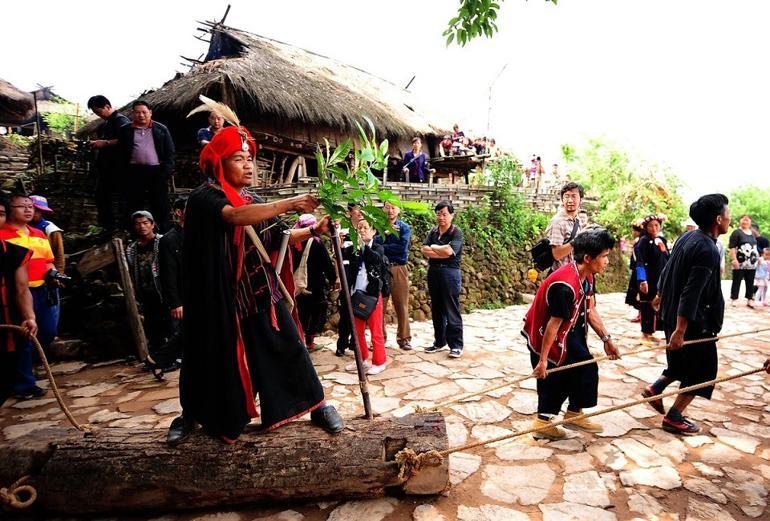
(627, 189)
(62, 118)
(474, 18)
(350, 180)
(753, 201)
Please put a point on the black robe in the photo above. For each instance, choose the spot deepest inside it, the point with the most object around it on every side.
(690, 287)
(219, 377)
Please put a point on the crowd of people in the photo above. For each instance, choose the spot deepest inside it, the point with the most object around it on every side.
(222, 299)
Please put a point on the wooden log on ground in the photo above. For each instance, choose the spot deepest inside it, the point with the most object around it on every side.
(124, 470)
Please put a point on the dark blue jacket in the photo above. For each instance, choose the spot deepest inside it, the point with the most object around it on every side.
(396, 248)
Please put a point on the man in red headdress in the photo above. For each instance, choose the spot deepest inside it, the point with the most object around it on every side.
(239, 336)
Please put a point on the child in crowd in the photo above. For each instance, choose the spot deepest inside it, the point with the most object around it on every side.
(762, 278)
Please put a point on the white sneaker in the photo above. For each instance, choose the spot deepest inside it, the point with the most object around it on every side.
(376, 369)
(352, 368)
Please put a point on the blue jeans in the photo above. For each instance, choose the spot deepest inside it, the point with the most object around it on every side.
(47, 318)
(444, 285)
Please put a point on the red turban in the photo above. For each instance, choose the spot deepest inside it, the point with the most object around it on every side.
(225, 143)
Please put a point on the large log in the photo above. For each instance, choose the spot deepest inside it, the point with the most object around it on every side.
(123, 470)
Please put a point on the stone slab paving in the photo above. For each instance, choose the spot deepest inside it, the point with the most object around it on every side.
(633, 470)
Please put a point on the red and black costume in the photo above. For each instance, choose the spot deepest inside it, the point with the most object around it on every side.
(12, 257)
(239, 337)
(563, 295)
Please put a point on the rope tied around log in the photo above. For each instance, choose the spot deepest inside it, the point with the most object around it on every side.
(84, 428)
(411, 463)
(11, 497)
(515, 381)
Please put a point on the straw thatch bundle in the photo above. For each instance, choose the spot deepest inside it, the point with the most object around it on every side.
(16, 105)
(262, 78)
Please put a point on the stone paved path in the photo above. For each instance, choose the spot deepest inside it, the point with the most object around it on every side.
(633, 470)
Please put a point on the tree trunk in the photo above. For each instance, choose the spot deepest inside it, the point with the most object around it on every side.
(123, 470)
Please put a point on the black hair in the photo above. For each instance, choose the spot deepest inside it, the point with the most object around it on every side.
(139, 102)
(571, 186)
(755, 226)
(353, 205)
(444, 204)
(705, 210)
(415, 139)
(180, 203)
(592, 242)
(5, 202)
(17, 195)
(98, 102)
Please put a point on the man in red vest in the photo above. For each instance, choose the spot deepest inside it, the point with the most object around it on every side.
(556, 328)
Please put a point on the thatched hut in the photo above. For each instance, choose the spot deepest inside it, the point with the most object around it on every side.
(16, 105)
(291, 99)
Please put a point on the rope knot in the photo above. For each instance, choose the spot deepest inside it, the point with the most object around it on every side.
(410, 463)
(11, 497)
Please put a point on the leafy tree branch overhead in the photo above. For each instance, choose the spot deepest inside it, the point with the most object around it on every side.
(474, 18)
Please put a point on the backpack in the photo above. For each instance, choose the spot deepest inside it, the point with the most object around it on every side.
(300, 274)
(542, 255)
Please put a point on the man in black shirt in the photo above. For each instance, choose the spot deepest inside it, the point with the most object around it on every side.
(107, 163)
(170, 265)
(443, 248)
(692, 307)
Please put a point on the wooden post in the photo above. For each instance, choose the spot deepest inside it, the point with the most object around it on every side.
(134, 321)
(345, 293)
(39, 134)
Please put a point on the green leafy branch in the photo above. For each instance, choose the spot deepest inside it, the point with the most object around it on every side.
(474, 18)
(349, 180)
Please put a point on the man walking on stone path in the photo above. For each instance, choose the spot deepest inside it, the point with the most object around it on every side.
(692, 307)
(397, 252)
(443, 248)
(556, 328)
(565, 225)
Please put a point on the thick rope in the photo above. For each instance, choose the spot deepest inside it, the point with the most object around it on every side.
(409, 461)
(51, 380)
(594, 360)
(10, 497)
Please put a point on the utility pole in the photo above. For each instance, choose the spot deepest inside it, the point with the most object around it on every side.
(489, 103)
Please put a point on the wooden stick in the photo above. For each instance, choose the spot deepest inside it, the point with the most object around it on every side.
(345, 292)
(134, 322)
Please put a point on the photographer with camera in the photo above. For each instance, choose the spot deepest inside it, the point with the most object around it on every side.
(54, 233)
(44, 284)
(107, 163)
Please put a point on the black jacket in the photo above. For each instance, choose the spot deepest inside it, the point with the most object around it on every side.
(164, 146)
(374, 258)
(690, 285)
(170, 260)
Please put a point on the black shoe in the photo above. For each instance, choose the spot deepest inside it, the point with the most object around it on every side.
(434, 349)
(328, 419)
(455, 353)
(179, 430)
(405, 345)
(35, 392)
(340, 351)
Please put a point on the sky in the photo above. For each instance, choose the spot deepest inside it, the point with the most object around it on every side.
(680, 83)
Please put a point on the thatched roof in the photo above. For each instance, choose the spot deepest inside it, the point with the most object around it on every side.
(15, 105)
(265, 77)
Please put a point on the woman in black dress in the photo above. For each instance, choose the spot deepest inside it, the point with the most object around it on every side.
(651, 252)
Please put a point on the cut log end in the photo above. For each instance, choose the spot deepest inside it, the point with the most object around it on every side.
(134, 470)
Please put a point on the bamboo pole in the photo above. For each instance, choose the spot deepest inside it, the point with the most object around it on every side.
(345, 292)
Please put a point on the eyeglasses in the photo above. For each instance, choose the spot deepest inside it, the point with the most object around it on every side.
(25, 206)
